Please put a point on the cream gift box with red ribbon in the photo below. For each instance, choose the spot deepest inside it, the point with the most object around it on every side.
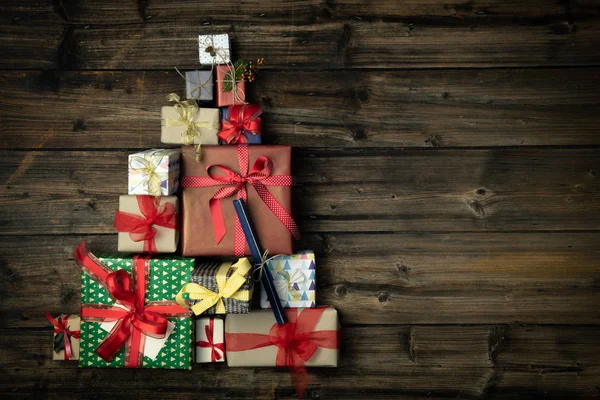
(147, 224)
(210, 340)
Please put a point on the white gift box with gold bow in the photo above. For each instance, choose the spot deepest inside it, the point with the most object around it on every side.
(294, 278)
(154, 172)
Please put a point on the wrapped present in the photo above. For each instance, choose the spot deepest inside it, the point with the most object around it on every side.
(185, 123)
(129, 316)
(154, 172)
(210, 345)
(219, 288)
(294, 278)
(214, 49)
(240, 124)
(310, 338)
(231, 88)
(210, 185)
(147, 224)
(66, 336)
(199, 85)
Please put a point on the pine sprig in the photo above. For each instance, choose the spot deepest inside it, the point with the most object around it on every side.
(239, 66)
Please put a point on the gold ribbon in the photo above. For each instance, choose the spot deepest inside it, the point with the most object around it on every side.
(148, 168)
(187, 111)
(227, 289)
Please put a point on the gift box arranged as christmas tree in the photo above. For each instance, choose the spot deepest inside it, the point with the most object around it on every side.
(226, 195)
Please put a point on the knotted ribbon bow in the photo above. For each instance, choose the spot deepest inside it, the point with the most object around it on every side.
(240, 120)
(142, 228)
(260, 177)
(137, 319)
(217, 349)
(287, 285)
(228, 288)
(60, 326)
(296, 342)
(187, 111)
(151, 180)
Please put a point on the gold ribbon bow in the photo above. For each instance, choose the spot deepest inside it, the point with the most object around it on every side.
(187, 110)
(148, 167)
(227, 289)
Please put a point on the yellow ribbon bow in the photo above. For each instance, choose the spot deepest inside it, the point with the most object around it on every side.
(227, 289)
(148, 167)
(187, 110)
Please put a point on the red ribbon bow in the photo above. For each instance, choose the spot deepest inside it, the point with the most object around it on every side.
(217, 349)
(142, 228)
(260, 177)
(240, 120)
(134, 322)
(295, 340)
(60, 325)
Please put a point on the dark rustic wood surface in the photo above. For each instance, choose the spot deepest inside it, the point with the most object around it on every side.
(446, 155)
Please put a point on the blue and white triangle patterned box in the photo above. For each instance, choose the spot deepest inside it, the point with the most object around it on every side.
(294, 278)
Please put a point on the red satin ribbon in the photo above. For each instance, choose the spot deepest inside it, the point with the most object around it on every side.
(142, 228)
(138, 320)
(60, 325)
(209, 329)
(240, 120)
(260, 177)
(295, 340)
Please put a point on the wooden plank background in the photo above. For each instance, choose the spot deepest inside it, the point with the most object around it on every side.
(446, 155)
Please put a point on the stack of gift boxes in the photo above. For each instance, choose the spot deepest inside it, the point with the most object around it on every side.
(222, 194)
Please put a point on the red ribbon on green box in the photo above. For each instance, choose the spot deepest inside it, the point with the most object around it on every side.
(137, 319)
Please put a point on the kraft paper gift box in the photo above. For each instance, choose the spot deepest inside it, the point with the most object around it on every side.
(189, 123)
(202, 227)
(248, 337)
(154, 172)
(157, 280)
(199, 85)
(219, 288)
(210, 340)
(214, 49)
(237, 95)
(66, 336)
(294, 278)
(162, 236)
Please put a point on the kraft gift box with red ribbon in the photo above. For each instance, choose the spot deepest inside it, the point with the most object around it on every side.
(237, 95)
(129, 317)
(310, 338)
(210, 345)
(240, 124)
(147, 224)
(261, 175)
(66, 336)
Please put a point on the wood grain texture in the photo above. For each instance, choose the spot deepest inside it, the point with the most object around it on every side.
(453, 190)
(405, 278)
(325, 36)
(316, 109)
(448, 362)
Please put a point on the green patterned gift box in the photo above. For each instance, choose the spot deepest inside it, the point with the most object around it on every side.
(165, 278)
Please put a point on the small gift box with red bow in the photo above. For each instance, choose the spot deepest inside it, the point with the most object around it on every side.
(240, 124)
(147, 224)
(129, 317)
(210, 345)
(66, 336)
(310, 338)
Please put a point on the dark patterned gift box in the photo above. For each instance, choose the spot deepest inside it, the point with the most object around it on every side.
(219, 288)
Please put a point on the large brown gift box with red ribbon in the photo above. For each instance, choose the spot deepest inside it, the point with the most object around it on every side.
(147, 224)
(310, 338)
(258, 174)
